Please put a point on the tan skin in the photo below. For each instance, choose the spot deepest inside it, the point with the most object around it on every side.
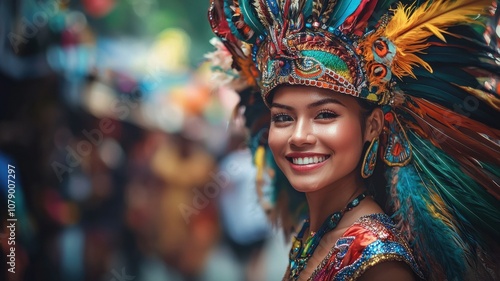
(312, 122)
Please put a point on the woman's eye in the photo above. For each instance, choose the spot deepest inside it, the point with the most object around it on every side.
(327, 115)
(281, 118)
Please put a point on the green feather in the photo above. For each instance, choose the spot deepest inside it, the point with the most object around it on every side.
(471, 200)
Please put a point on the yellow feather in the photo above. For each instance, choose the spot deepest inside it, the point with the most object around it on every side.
(410, 28)
(410, 31)
(260, 161)
(441, 14)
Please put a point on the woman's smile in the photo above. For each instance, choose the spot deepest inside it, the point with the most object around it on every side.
(315, 135)
(306, 161)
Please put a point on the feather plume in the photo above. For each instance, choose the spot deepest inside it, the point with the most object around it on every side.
(341, 11)
(317, 8)
(325, 15)
(381, 7)
(295, 9)
(263, 13)
(357, 22)
(410, 28)
(462, 138)
(298, 11)
(250, 18)
(438, 247)
(492, 100)
(458, 189)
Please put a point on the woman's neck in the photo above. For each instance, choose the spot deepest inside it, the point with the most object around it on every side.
(322, 203)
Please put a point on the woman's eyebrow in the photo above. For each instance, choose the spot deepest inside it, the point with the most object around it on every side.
(279, 105)
(325, 101)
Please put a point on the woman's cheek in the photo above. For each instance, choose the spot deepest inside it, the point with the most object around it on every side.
(273, 140)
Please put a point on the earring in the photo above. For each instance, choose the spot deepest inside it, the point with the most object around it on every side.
(370, 159)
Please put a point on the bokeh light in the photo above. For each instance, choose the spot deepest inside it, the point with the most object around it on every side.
(123, 142)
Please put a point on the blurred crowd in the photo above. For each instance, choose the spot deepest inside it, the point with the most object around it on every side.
(128, 163)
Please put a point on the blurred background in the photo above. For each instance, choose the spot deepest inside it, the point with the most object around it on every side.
(127, 163)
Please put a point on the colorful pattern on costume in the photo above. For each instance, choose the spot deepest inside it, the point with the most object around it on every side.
(371, 240)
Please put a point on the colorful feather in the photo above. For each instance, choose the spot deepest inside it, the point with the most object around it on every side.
(357, 22)
(341, 11)
(327, 11)
(438, 247)
(460, 137)
(457, 188)
(263, 13)
(250, 18)
(410, 28)
(316, 9)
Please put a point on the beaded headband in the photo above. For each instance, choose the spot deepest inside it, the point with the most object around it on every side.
(312, 59)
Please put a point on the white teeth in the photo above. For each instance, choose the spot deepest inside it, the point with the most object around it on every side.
(308, 160)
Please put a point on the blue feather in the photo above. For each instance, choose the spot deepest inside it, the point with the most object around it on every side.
(342, 10)
(440, 243)
(308, 6)
(274, 8)
(250, 18)
(468, 198)
(228, 12)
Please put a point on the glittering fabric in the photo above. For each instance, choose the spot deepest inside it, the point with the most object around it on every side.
(371, 240)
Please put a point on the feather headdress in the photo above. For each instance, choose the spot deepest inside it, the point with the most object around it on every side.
(433, 71)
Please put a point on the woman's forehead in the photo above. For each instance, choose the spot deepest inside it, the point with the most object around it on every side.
(304, 94)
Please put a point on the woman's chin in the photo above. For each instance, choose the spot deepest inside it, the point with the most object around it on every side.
(305, 186)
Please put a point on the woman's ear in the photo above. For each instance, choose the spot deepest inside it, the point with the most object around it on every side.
(374, 124)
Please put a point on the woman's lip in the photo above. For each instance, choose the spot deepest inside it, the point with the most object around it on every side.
(304, 154)
(308, 167)
(305, 167)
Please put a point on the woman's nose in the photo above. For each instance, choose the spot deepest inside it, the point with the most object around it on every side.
(302, 134)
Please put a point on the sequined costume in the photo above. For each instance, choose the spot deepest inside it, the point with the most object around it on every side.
(371, 240)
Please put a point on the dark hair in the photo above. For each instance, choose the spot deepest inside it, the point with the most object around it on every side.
(376, 183)
(367, 108)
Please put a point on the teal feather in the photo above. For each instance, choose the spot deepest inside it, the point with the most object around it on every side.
(449, 96)
(493, 170)
(308, 8)
(342, 10)
(436, 91)
(250, 18)
(454, 55)
(380, 9)
(228, 12)
(463, 60)
(471, 200)
(439, 244)
(446, 73)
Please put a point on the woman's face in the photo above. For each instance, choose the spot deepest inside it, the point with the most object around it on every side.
(315, 136)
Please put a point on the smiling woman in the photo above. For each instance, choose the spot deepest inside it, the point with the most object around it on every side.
(316, 137)
(359, 104)
(309, 124)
